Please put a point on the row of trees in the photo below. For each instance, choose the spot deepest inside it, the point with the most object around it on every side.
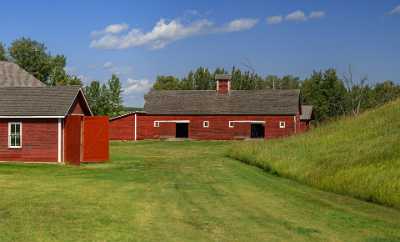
(331, 95)
(33, 56)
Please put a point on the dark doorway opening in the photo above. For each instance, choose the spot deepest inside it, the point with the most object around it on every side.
(182, 130)
(257, 131)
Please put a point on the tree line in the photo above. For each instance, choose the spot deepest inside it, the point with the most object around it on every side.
(332, 96)
(33, 56)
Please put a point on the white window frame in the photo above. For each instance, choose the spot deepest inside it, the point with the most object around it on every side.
(232, 123)
(20, 135)
(156, 124)
(206, 124)
(282, 124)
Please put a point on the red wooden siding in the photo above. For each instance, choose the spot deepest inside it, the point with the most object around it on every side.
(39, 141)
(95, 139)
(72, 140)
(123, 128)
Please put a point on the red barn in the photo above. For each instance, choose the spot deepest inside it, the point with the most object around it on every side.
(46, 124)
(223, 114)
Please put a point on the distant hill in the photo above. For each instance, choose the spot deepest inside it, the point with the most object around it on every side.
(353, 156)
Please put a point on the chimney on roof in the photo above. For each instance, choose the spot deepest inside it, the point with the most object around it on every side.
(223, 83)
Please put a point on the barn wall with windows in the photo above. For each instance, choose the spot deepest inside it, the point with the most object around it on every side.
(38, 141)
(218, 126)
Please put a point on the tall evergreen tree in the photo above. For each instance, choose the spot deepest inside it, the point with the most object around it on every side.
(115, 98)
(3, 54)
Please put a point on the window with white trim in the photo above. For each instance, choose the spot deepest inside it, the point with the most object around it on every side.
(231, 124)
(156, 124)
(206, 124)
(15, 135)
(282, 124)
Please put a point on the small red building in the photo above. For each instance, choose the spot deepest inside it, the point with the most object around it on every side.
(47, 124)
(223, 114)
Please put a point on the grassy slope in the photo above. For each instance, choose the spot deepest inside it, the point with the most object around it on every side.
(178, 191)
(358, 157)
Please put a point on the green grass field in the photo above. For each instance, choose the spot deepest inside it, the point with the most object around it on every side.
(178, 191)
(359, 156)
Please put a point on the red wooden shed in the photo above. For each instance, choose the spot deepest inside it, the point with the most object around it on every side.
(47, 124)
(51, 124)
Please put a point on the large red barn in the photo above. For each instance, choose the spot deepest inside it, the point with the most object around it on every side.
(221, 114)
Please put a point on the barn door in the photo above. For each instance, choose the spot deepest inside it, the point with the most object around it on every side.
(95, 139)
(72, 140)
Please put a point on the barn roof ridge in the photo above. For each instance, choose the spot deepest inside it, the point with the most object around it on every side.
(209, 102)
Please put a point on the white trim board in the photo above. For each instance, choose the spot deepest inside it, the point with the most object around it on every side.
(59, 141)
(172, 121)
(231, 123)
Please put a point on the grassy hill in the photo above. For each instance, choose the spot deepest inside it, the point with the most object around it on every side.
(359, 156)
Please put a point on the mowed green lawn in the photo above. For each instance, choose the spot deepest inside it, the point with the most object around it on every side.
(178, 191)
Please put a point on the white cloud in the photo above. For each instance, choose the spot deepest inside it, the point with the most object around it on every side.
(240, 24)
(317, 14)
(274, 19)
(108, 65)
(137, 86)
(296, 16)
(116, 28)
(111, 29)
(395, 10)
(165, 32)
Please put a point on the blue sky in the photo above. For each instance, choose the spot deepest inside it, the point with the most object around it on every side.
(139, 40)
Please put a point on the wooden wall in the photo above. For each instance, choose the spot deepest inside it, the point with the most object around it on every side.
(39, 141)
(123, 128)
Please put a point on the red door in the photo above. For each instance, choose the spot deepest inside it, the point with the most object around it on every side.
(95, 139)
(72, 140)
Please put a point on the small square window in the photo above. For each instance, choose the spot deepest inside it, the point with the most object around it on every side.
(231, 124)
(156, 124)
(206, 124)
(282, 124)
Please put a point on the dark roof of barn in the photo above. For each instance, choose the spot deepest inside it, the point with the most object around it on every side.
(11, 75)
(306, 112)
(37, 101)
(261, 102)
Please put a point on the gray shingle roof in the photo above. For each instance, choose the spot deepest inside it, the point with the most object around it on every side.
(268, 102)
(37, 101)
(306, 112)
(11, 75)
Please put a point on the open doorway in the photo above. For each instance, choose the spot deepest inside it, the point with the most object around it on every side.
(182, 130)
(257, 131)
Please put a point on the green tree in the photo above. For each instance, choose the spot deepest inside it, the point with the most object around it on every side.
(166, 83)
(203, 80)
(34, 58)
(105, 99)
(384, 92)
(327, 93)
(115, 98)
(31, 56)
(3, 54)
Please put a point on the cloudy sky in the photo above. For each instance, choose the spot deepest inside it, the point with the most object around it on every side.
(139, 40)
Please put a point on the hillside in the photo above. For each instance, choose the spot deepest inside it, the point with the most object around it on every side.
(359, 156)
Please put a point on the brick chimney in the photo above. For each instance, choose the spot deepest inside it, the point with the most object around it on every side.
(223, 83)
